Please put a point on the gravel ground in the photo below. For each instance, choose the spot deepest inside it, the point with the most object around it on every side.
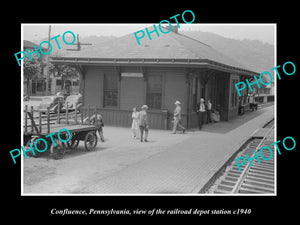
(80, 168)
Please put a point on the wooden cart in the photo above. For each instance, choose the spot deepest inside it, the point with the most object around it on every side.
(34, 128)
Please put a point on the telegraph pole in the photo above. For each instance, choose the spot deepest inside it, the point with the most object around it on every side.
(47, 64)
(78, 45)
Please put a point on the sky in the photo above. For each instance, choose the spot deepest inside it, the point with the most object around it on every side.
(263, 32)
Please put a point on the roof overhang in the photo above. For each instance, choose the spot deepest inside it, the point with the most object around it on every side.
(152, 62)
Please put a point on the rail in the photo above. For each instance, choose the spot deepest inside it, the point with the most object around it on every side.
(257, 178)
(240, 181)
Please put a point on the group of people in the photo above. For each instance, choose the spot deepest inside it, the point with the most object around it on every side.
(140, 123)
(205, 113)
(203, 110)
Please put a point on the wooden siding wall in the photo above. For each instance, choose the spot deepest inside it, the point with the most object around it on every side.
(117, 117)
(93, 86)
(175, 89)
(132, 92)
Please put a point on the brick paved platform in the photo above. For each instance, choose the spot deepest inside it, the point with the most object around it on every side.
(185, 167)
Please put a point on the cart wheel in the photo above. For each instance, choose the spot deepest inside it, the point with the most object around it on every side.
(31, 141)
(40, 145)
(73, 143)
(90, 141)
(59, 150)
(26, 140)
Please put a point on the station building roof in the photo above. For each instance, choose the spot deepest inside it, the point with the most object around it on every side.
(170, 49)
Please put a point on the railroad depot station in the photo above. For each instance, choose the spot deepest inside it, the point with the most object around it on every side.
(120, 74)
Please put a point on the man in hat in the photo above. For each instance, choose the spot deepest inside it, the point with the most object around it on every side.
(251, 101)
(201, 112)
(177, 118)
(143, 123)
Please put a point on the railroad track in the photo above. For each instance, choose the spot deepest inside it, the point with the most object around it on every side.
(256, 179)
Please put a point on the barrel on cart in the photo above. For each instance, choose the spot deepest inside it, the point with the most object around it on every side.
(52, 128)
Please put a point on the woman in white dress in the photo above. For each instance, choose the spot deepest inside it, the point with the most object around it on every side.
(135, 124)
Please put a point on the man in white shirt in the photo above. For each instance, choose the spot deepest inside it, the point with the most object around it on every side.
(251, 101)
(201, 111)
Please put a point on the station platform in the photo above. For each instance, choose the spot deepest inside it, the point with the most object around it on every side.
(185, 167)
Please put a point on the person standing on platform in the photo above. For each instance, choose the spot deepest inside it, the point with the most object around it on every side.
(135, 123)
(201, 112)
(208, 120)
(143, 123)
(251, 101)
(177, 118)
(97, 120)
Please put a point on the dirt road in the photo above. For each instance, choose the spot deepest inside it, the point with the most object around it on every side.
(80, 168)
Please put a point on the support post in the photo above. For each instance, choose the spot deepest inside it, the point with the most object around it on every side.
(88, 114)
(67, 112)
(31, 109)
(58, 112)
(48, 120)
(82, 108)
(26, 109)
(96, 123)
(40, 121)
(75, 113)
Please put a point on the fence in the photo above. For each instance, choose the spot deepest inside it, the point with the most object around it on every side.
(115, 117)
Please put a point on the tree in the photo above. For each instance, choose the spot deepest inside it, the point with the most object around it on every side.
(65, 72)
(31, 70)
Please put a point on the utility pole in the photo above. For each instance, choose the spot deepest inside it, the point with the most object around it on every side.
(78, 45)
(47, 64)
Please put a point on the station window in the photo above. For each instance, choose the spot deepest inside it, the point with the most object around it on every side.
(58, 82)
(41, 85)
(154, 92)
(110, 91)
(76, 83)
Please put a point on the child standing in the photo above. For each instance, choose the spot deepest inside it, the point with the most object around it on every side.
(135, 124)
